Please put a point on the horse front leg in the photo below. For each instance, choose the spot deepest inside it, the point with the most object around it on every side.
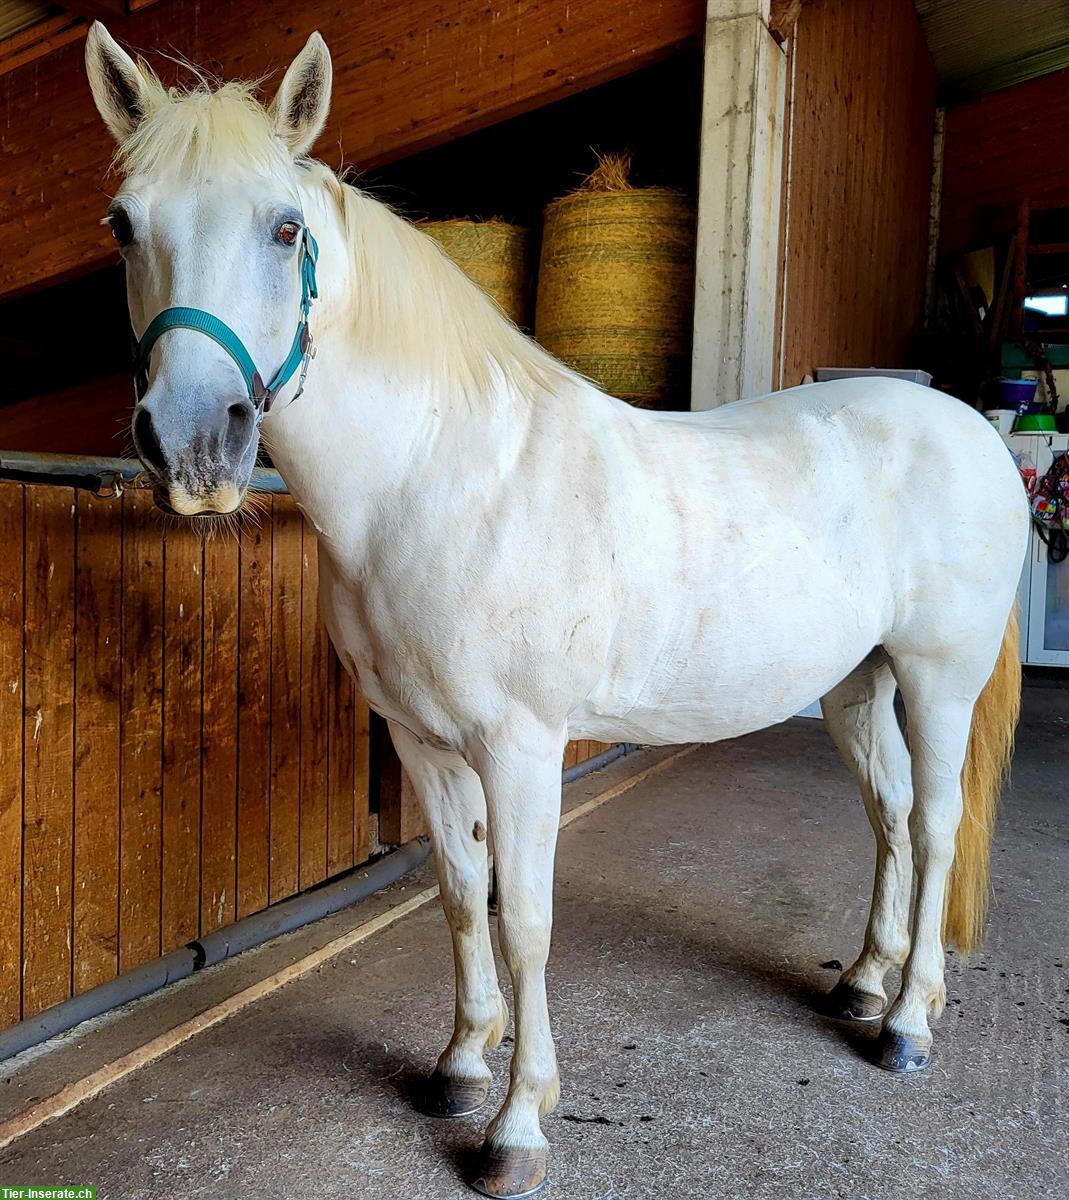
(451, 797)
(523, 793)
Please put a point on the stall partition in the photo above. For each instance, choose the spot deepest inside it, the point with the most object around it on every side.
(180, 746)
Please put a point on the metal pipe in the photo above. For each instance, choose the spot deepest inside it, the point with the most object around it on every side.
(121, 990)
(598, 761)
(310, 906)
(250, 931)
(225, 943)
(77, 470)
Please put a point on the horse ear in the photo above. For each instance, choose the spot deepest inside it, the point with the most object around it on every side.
(120, 87)
(300, 108)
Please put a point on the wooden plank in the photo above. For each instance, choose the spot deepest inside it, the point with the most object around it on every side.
(1001, 148)
(857, 249)
(142, 704)
(82, 419)
(400, 818)
(48, 738)
(782, 17)
(362, 847)
(254, 718)
(341, 767)
(89, 1086)
(11, 735)
(407, 76)
(1020, 268)
(182, 666)
(219, 746)
(286, 553)
(313, 696)
(40, 39)
(104, 10)
(97, 748)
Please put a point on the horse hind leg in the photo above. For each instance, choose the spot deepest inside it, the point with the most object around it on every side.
(859, 715)
(961, 717)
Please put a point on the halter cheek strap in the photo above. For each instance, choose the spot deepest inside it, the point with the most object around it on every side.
(220, 332)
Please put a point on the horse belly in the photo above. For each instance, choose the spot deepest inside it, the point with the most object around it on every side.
(738, 662)
(712, 704)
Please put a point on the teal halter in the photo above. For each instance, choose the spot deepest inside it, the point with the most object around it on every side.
(219, 331)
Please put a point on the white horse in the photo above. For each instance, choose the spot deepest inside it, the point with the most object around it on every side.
(510, 558)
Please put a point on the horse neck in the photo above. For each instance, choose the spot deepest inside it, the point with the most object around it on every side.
(376, 429)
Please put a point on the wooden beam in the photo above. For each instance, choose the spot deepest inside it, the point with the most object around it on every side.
(407, 76)
(782, 17)
(104, 10)
(40, 39)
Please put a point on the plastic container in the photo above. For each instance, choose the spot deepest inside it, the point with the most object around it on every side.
(1035, 423)
(823, 374)
(1001, 418)
(1018, 394)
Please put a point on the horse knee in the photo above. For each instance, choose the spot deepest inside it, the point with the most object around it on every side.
(525, 938)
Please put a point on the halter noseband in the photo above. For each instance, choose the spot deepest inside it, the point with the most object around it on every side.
(219, 331)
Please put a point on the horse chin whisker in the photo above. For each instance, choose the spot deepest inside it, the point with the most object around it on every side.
(254, 508)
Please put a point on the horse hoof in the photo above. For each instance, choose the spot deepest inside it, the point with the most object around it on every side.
(445, 1097)
(901, 1053)
(847, 1003)
(511, 1172)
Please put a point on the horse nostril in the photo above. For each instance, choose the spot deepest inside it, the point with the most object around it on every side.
(146, 443)
(241, 420)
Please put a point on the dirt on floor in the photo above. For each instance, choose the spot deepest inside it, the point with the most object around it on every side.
(699, 919)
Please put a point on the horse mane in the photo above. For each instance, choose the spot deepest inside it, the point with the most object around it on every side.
(413, 308)
(423, 315)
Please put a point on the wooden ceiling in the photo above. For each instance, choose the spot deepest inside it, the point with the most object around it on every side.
(407, 76)
(982, 45)
(16, 15)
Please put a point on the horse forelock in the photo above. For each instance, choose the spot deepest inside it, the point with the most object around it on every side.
(194, 131)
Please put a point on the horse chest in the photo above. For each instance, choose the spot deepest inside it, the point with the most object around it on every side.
(390, 669)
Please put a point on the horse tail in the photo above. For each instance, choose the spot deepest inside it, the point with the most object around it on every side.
(986, 766)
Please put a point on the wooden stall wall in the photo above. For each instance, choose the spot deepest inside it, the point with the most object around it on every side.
(859, 154)
(1000, 149)
(90, 419)
(179, 747)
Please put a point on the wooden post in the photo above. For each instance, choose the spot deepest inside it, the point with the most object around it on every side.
(400, 818)
(738, 204)
(1020, 277)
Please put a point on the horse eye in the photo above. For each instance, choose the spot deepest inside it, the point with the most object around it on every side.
(121, 229)
(288, 233)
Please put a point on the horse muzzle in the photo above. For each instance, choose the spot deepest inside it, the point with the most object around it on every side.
(199, 465)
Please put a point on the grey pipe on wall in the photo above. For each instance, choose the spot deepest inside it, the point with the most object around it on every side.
(215, 948)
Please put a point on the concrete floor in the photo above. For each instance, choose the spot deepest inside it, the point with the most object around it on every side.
(696, 917)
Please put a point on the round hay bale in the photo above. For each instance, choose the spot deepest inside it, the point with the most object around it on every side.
(616, 286)
(493, 254)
